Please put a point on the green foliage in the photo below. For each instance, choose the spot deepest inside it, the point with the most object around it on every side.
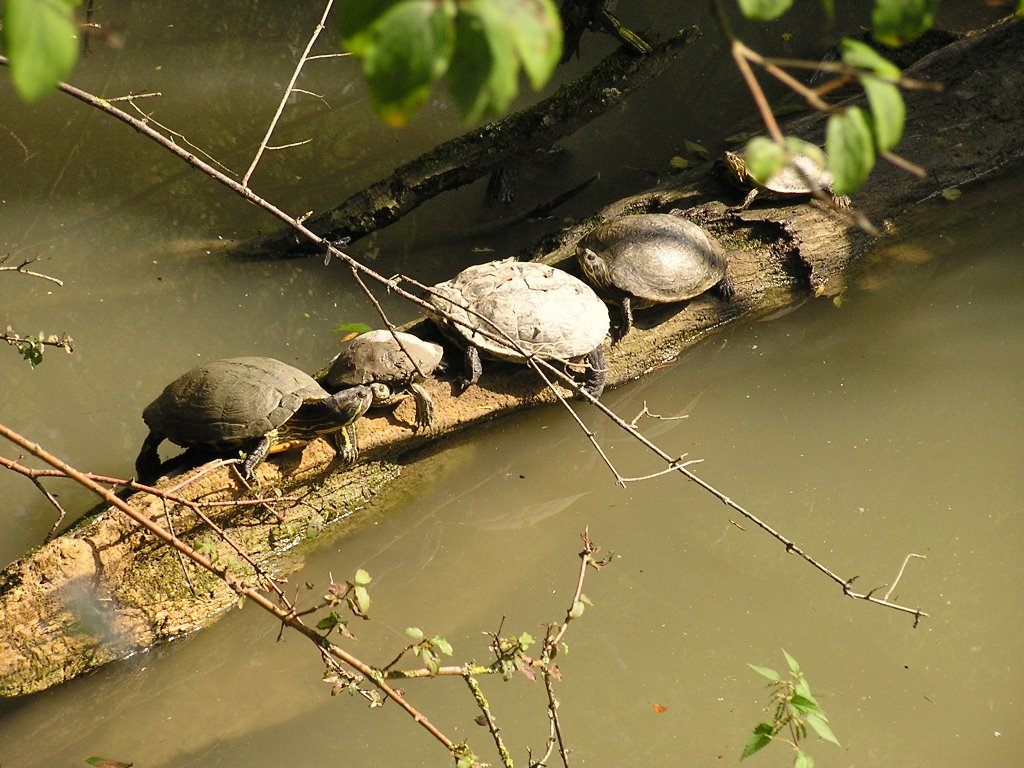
(897, 22)
(851, 149)
(887, 108)
(41, 41)
(764, 10)
(793, 708)
(351, 329)
(764, 158)
(408, 45)
(429, 649)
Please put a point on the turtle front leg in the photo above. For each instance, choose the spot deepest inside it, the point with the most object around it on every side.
(626, 309)
(256, 456)
(596, 373)
(346, 441)
(473, 367)
(424, 405)
(147, 465)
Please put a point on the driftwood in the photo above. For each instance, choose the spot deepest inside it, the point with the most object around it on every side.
(105, 590)
(476, 154)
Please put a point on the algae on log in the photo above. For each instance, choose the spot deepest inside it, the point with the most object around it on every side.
(107, 590)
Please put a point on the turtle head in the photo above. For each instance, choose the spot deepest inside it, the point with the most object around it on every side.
(595, 268)
(324, 415)
(735, 168)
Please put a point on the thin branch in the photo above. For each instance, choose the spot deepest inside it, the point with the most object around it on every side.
(285, 616)
(481, 702)
(21, 268)
(287, 94)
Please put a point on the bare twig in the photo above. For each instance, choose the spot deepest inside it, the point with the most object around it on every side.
(284, 615)
(284, 98)
(22, 269)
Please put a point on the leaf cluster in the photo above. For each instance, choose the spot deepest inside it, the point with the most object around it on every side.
(406, 46)
(793, 709)
(853, 137)
(352, 594)
(429, 649)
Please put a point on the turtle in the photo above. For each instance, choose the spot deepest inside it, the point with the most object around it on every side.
(253, 404)
(545, 311)
(643, 259)
(800, 178)
(389, 362)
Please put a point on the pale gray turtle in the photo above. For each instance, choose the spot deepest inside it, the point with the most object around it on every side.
(253, 404)
(651, 258)
(392, 367)
(545, 311)
(794, 180)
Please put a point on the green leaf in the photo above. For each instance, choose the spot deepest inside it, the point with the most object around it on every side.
(863, 56)
(42, 44)
(577, 609)
(362, 578)
(764, 10)
(526, 640)
(696, 148)
(806, 705)
(329, 622)
(362, 598)
(794, 667)
(887, 111)
(484, 74)
(952, 193)
(760, 739)
(764, 158)
(803, 760)
(1020, 8)
(352, 329)
(897, 22)
(415, 633)
(821, 727)
(850, 147)
(442, 645)
(412, 46)
(356, 22)
(767, 672)
(536, 30)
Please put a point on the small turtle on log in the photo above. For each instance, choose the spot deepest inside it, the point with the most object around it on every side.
(257, 405)
(530, 309)
(651, 258)
(392, 364)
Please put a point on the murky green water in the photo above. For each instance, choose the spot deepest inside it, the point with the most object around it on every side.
(885, 426)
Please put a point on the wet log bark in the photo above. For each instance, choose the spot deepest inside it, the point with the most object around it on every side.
(106, 590)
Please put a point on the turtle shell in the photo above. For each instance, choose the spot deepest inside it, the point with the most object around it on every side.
(375, 356)
(546, 311)
(655, 257)
(225, 403)
(793, 179)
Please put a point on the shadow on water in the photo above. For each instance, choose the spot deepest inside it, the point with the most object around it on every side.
(883, 426)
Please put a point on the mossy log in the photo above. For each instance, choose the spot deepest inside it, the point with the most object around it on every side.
(106, 590)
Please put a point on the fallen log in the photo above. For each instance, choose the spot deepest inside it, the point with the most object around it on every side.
(106, 590)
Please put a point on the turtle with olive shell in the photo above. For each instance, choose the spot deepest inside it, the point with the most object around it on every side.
(257, 405)
(802, 177)
(639, 260)
(509, 310)
(392, 364)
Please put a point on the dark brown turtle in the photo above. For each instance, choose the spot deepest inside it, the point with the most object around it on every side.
(253, 404)
(651, 258)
